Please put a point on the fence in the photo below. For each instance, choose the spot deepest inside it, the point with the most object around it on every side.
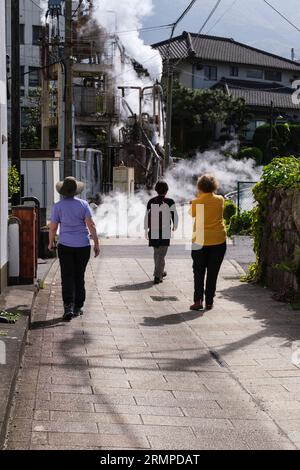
(243, 196)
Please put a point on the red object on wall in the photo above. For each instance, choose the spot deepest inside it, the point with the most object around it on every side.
(28, 242)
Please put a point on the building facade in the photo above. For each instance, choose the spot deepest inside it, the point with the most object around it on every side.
(30, 34)
(3, 153)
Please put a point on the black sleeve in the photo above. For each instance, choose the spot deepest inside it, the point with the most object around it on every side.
(174, 214)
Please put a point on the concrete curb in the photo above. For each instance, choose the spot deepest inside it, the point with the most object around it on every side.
(237, 266)
(15, 343)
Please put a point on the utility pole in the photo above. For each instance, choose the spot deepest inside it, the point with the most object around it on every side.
(169, 67)
(169, 115)
(68, 95)
(271, 130)
(15, 94)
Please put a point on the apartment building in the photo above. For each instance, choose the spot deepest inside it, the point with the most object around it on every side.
(3, 153)
(30, 34)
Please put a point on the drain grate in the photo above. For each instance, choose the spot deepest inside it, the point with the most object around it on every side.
(163, 298)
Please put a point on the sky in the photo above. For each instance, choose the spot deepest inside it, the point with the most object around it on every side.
(248, 21)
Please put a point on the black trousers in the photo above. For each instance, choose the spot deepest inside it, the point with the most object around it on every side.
(73, 263)
(207, 261)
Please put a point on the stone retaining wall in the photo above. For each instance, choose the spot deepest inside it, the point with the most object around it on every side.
(281, 242)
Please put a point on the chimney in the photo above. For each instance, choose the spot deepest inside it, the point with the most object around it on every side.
(293, 53)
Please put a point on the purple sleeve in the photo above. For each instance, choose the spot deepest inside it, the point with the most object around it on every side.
(87, 211)
(55, 215)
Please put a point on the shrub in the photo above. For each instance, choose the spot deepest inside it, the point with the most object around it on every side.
(241, 224)
(282, 141)
(261, 137)
(13, 181)
(230, 210)
(295, 139)
(252, 152)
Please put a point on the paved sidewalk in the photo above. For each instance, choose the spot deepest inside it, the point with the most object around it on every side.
(141, 371)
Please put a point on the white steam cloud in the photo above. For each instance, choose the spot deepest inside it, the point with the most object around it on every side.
(125, 17)
(123, 216)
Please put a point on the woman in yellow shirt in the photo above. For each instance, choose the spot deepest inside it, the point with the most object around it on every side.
(209, 241)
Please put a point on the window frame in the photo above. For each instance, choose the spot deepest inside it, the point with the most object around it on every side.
(210, 69)
(261, 77)
(22, 75)
(273, 79)
(37, 83)
(36, 28)
(234, 68)
(22, 34)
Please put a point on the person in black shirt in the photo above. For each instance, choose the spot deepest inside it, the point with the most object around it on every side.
(161, 217)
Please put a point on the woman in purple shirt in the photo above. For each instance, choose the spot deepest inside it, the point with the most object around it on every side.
(74, 217)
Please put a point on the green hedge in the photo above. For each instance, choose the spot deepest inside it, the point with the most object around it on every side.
(251, 152)
(241, 224)
(286, 139)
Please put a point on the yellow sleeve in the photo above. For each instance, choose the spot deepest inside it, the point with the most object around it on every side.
(192, 210)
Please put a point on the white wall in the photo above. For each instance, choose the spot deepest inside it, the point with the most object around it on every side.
(190, 77)
(3, 142)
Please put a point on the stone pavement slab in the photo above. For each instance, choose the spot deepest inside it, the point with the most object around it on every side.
(136, 373)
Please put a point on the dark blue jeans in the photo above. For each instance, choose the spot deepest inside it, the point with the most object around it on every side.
(73, 263)
(207, 261)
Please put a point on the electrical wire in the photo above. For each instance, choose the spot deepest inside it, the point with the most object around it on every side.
(209, 16)
(34, 3)
(205, 22)
(282, 15)
(222, 16)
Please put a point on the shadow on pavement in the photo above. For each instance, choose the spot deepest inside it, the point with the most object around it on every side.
(173, 318)
(132, 287)
(39, 325)
(284, 324)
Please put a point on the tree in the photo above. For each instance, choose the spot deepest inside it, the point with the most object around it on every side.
(31, 133)
(196, 113)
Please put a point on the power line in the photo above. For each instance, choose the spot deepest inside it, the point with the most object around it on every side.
(282, 16)
(148, 29)
(32, 1)
(184, 13)
(205, 22)
(98, 36)
(209, 16)
(222, 16)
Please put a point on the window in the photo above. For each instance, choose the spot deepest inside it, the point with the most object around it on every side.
(22, 77)
(234, 71)
(36, 34)
(25, 117)
(22, 33)
(273, 75)
(252, 126)
(210, 72)
(34, 76)
(255, 73)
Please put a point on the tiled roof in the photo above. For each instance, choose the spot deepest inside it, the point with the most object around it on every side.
(213, 48)
(263, 99)
(259, 94)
